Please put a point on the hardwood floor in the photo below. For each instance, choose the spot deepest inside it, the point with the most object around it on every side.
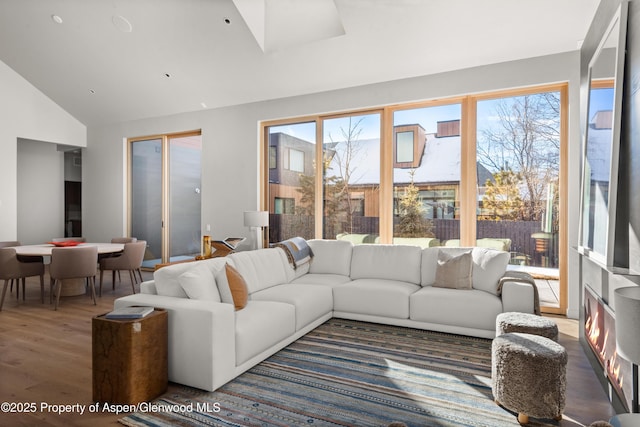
(45, 358)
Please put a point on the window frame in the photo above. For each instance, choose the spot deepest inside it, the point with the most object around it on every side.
(468, 179)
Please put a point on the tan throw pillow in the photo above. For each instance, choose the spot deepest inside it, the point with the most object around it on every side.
(454, 272)
(238, 287)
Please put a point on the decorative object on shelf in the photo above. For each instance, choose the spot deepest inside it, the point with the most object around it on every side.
(256, 221)
(218, 248)
(627, 306)
(206, 246)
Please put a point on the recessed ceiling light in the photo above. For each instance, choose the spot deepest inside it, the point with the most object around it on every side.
(167, 75)
(92, 92)
(227, 21)
(56, 19)
(122, 23)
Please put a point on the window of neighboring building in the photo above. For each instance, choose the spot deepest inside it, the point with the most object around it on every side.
(404, 147)
(284, 205)
(408, 143)
(273, 159)
(295, 160)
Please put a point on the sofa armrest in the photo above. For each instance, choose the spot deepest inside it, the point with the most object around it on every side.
(201, 334)
(519, 296)
(148, 287)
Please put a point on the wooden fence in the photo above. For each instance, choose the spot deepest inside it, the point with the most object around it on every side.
(523, 246)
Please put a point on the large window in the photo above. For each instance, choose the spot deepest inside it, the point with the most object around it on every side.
(518, 152)
(351, 176)
(292, 183)
(425, 190)
(483, 169)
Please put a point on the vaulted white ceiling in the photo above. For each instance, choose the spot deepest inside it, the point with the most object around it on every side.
(118, 60)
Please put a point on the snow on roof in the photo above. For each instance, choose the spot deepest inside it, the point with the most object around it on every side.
(440, 162)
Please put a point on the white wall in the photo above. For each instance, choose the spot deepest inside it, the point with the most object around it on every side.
(230, 143)
(27, 113)
(40, 192)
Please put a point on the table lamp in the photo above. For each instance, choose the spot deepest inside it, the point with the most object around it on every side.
(256, 221)
(627, 305)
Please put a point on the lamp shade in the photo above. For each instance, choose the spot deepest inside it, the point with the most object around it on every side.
(256, 219)
(627, 304)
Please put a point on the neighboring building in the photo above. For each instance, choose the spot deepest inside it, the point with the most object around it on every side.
(434, 158)
(289, 157)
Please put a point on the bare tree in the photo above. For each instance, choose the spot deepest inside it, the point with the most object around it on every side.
(340, 157)
(526, 140)
(347, 149)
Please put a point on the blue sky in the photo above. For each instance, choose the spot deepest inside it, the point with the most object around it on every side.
(427, 117)
(600, 100)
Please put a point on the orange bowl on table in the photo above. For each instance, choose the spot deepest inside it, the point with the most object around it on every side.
(65, 243)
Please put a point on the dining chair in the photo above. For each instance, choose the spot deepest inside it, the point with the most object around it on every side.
(73, 263)
(130, 260)
(12, 269)
(21, 258)
(124, 240)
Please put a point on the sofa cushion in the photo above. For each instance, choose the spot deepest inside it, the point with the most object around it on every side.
(260, 326)
(166, 278)
(454, 271)
(262, 268)
(330, 280)
(489, 266)
(311, 301)
(469, 309)
(391, 262)
(378, 297)
(199, 283)
(330, 257)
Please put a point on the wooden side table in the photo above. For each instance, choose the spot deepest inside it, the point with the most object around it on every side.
(129, 358)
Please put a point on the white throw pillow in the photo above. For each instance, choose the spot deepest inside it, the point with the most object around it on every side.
(489, 266)
(199, 283)
(166, 279)
(223, 286)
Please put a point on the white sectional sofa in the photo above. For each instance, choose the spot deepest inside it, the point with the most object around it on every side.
(211, 343)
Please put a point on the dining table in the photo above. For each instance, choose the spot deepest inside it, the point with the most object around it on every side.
(70, 287)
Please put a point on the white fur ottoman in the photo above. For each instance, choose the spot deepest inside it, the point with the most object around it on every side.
(528, 375)
(526, 323)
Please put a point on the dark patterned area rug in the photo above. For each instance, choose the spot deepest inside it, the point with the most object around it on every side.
(347, 373)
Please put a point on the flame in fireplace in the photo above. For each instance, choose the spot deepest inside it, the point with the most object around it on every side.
(612, 364)
(593, 330)
(599, 333)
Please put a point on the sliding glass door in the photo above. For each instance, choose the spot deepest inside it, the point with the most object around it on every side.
(145, 220)
(165, 195)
